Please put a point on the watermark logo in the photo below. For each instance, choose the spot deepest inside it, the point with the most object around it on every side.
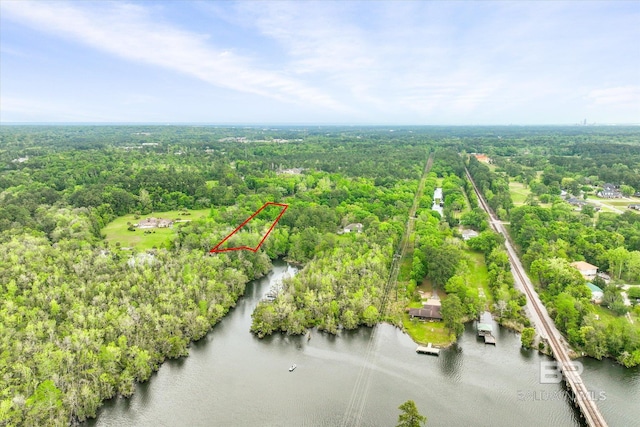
(546, 395)
(551, 372)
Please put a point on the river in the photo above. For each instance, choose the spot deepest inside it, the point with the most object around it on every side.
(231, 378)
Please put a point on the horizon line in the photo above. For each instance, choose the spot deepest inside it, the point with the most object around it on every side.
(294, 124)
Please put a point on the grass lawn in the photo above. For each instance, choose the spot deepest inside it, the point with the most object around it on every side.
(518, 193)
(405, 267)
(116, 230)
(618, 203)
(607, 205)
(604, 313)
(479, 274)
(426, 332)
(607, 316)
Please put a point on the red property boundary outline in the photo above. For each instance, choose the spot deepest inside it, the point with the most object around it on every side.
(215, 248)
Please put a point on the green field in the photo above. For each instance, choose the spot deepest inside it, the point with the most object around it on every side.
(607, 316)
(479, 274)
(618, 203)
(518, 193)
(405, 267)
(426, 332)
(116, 231)
(608, 205)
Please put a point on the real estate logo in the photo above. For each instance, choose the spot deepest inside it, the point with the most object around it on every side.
(551, 371)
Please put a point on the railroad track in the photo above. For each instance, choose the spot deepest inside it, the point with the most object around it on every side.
(581, 396)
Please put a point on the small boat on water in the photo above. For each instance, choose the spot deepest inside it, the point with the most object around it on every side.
(292, 367)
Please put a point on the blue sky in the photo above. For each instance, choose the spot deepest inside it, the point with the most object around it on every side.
(400, 62)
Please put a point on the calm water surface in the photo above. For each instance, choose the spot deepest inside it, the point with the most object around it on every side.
(232, 378)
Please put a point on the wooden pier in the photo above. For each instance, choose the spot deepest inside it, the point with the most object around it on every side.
(429, 349)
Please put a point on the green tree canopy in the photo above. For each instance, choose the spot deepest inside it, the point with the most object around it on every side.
(452, 314)
(410, 417)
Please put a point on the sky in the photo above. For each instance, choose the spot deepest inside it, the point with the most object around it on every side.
(326, 62)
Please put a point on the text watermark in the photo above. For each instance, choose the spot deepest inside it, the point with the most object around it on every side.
(544, 395)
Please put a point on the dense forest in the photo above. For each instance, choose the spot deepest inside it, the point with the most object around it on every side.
(83, 316)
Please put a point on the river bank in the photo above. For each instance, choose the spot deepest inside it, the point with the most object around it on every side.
(233, 378)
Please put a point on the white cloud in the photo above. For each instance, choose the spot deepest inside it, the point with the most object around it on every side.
(129, 31)
(398, 56)
(424, 62)
(627, 96)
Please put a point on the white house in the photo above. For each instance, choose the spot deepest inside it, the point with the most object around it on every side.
(357, 227)
(154, 223)
(609, 191)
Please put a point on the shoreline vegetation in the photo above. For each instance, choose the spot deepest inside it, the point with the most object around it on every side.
(83, 318)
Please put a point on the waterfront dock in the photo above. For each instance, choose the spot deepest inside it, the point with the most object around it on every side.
(429, 349)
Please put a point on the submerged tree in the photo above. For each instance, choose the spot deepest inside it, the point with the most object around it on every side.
(410, 417)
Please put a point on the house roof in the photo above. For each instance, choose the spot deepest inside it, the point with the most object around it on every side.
(148, 221)
(469, 234)
(154, 222)
(576, 201)
(356, 226)
(485, 327)
(428, 311)
(582, 266)
(593, 287)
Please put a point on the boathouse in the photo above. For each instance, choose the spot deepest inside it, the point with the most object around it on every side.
(484, 329)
